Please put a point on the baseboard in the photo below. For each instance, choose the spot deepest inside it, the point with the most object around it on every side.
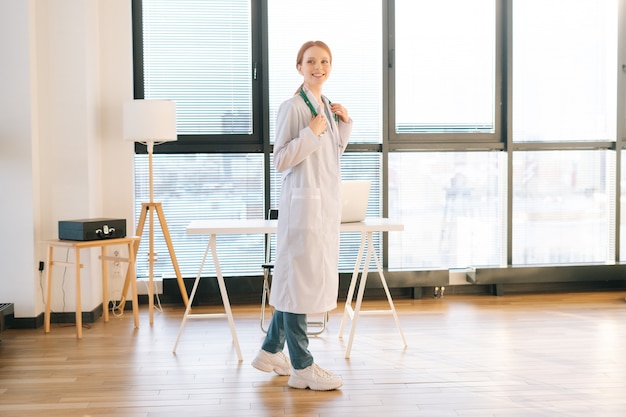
(142, 286)
(56, 317)
(246, 290)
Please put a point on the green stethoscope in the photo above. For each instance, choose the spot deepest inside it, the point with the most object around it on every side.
(308, 103)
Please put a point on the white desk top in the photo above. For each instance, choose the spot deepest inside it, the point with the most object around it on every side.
(255, 226)
(231, 226)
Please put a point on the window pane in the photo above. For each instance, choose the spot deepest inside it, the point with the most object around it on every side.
(356, 78)
(564, 70)
(354, 166)
(452, 207)
(197, 187)
(561, 207)
(198, 53)
(444, 66)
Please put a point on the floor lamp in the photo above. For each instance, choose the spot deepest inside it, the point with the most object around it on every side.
(152, 122)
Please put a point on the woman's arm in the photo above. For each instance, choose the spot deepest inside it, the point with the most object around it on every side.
(293, 143)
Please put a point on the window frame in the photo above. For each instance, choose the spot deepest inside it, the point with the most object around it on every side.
(450, 140)
(213, 143)
(500, 140)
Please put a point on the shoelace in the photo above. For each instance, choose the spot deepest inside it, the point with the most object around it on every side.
(280, 357)
(322, 372)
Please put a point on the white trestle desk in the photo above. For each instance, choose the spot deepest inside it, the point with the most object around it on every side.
(258, 226)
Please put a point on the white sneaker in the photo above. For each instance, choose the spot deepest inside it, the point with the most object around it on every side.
(315, 378)
(268, 362)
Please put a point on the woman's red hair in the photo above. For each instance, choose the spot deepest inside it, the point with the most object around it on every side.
(308, 45)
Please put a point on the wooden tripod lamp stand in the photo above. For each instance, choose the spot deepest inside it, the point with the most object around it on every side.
(152, 122)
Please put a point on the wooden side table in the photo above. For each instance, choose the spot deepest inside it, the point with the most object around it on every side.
(131, 242)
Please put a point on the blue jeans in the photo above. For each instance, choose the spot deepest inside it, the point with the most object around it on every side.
(291, 328)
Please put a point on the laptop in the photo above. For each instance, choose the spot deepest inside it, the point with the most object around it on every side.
(355, 194)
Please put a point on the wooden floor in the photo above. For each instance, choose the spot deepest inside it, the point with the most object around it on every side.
(468, 355)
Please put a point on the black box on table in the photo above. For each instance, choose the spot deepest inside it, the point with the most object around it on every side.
(92, 229)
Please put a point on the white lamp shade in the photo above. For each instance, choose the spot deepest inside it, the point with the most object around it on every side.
(150, 121)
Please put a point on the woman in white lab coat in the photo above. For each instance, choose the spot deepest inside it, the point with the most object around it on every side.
(311, 135)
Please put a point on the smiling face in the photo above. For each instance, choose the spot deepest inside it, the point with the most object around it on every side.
(316, 66)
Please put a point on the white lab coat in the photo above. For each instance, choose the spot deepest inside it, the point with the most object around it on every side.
(306, 277)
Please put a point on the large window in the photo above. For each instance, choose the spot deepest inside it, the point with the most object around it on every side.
(209, 78)
(490, 128)
(355, 82)
(352, 29)
(562, 207)
(354, 166)
(564, 70)
(202, 186)
(453, 208)
(199, 54)
(564, 93)
(445, 64)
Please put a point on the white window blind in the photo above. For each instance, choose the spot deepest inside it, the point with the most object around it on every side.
(197, 187)
(352, 30)
(198, 53)
(354, 166)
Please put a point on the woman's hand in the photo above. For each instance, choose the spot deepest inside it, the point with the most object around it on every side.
(318, 125)
(340, 111)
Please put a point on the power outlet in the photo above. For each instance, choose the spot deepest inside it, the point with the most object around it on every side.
(117, 268)
(116, 280)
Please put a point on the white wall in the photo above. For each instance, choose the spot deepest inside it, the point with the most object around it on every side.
(66, 72)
